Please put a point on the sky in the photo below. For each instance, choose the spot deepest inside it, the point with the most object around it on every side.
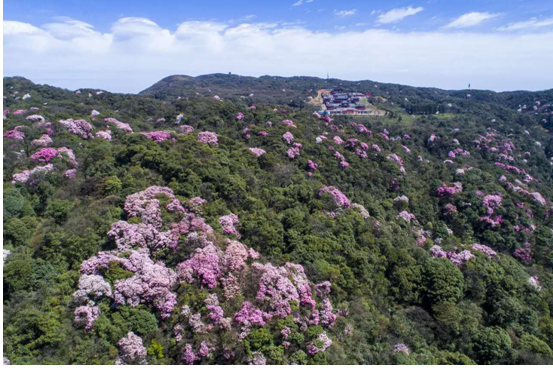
(126, 46)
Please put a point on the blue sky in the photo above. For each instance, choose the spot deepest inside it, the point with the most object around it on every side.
(122, 47)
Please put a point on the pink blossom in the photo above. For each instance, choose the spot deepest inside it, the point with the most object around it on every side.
(289, 123)
(44, 155)
(228, 224)
(104, 134)
(484, 249)
(24, 176)
(312, 165)
(535, 282)
(313, 349)
(288, 137)
(36, 118)
(257, 151)
(362, 210)
(78, 127)
(293, 152)
(538, 198)
(339, 198)
(131, 350)
(64, 151)
(188, 355)
(119, 124)
(43, 141)
(86, 315)
(446, 191)
(401, 348)
(186, 129)
(70, 174)
(240, 116)
(249, 315)
(406, 216)
(208, 137)
(258, 359)
(14, 134)
(157, 136)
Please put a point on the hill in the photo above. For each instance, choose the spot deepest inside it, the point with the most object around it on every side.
(151, 229)
(295, 92)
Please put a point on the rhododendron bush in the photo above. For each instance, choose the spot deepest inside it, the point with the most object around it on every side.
(227, 290)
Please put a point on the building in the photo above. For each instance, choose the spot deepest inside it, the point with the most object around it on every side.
(344, 103)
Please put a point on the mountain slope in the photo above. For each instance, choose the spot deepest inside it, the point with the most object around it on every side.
(224, 233)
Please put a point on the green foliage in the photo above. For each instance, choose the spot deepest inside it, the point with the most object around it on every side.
(442, 281)
(59, 210)
(491, 345)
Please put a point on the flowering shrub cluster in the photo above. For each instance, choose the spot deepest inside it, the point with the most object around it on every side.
(401, 348)
(339, 198)
(406, 216)
(119, 124)
(288, 137)
(44, 155)
(14, 134)
(289, 123)
(446, 191)
(222, 272)
(104, 134)
(43, 141)
(80, 127)
(24, 176)
(157, 136)
(396, 159)
(131, 350)
(457, 259)
(257, 151)
(484, 249)
(186, 129)
(228, 224)
(208, 137)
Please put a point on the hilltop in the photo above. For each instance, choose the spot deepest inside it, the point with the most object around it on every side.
(295, 92)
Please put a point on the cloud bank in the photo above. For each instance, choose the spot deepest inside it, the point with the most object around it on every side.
(137, 52)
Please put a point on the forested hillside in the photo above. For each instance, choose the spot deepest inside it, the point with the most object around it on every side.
(148, 229)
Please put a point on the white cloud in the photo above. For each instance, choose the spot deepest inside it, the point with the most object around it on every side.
(12, 28)
(137, 52)
(301, 2)
(344, 13)
(533, 23)
(471, 19)
(395, 15)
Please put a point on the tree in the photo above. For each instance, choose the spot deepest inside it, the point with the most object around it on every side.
(442, 281)
(491, 345)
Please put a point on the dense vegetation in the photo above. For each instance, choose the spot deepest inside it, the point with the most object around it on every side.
(424, 238)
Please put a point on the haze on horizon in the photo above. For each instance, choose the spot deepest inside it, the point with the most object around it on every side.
(422, 45)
